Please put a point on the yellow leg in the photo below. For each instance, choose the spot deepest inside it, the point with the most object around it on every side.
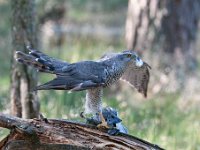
(103, 123)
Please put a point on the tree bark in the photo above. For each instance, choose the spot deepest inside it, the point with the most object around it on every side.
(166, 31)
(23, 102)
(62, 134)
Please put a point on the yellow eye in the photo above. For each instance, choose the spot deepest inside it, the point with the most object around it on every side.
(129, 55)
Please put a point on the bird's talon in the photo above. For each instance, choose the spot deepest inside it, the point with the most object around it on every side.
(82, 115)
(90, 121)
(43, 118)
(103, 125)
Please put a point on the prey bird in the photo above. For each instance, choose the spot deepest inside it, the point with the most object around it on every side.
(112, 119)
(91, 76)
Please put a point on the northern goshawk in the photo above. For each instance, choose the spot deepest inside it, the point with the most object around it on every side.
(92, 76)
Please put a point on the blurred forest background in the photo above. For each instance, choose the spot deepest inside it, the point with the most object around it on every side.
(166, 35)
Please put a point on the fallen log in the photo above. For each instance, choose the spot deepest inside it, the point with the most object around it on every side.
(54, 134)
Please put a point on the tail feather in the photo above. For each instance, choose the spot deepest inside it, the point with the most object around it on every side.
(34, 62)
(50, 61)
(40, 61)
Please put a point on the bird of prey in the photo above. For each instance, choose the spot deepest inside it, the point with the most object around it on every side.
(92, 76)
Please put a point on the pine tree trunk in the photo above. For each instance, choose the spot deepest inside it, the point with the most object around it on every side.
(166, 31)
(23, 102)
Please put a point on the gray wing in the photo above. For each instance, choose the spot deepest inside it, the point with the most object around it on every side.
(138, 77)
(77, 76)
(84, 70)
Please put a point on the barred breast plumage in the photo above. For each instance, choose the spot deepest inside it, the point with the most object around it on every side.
(114, 74)
(93, 102)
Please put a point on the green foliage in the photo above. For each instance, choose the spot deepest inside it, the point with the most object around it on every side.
(158, 120)
(3, 133)
(5, 38)
(105, 5)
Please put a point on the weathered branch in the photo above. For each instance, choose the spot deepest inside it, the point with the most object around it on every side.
(62, 134)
